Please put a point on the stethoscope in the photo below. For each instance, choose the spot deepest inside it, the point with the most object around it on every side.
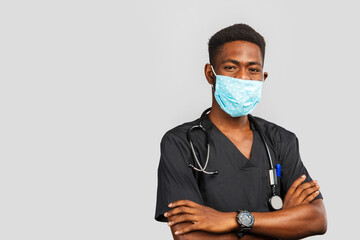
(275, 200)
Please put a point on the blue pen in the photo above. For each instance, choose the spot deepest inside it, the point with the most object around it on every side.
(278, 170)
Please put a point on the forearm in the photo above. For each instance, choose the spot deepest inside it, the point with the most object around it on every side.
(297, 222)
(300, 221)
(200, 235)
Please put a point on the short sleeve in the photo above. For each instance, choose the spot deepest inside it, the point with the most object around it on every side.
(292, 166)
(176, 180)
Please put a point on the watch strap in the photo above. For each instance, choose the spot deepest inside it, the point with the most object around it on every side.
(239, 233)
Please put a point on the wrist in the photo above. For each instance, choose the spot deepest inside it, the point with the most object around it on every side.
(231, 222)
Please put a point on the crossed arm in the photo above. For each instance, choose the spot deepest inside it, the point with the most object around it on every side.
(299, 218)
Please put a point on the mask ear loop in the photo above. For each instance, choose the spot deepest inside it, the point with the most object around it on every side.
(212, 68)
(212, 85)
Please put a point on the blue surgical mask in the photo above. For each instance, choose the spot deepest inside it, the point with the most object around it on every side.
(237, 97)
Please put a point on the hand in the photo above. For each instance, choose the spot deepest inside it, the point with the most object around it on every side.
(203, 218)
(299, 194)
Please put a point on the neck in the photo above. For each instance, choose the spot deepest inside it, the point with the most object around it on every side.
(225, 122)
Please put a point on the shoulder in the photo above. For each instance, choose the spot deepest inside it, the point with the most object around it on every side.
(274, 132)
(174, 146)
(178, 133)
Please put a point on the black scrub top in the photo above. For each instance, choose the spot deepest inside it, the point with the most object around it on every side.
(241, 183)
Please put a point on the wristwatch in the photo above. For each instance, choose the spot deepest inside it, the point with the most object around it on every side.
(246, 221)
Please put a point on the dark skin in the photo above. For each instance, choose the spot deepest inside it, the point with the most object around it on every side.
(300, 217)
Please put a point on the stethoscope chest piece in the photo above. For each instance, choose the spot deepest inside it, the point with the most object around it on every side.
(276, 202)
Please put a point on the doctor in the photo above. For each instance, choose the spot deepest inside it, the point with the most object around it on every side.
(235, 203)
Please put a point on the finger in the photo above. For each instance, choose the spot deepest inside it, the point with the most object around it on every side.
(179, 210)
(295, 184)
(309, 191)
(181, 219)
(187, 229)
(310, 198)
(303, 187)
(183, 203)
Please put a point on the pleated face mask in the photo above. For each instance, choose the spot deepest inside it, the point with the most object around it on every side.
(237, 97)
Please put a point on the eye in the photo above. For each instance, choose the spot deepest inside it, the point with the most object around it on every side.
(255, 70)
(231, 68)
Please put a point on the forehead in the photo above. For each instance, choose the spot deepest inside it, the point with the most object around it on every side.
(239, 50)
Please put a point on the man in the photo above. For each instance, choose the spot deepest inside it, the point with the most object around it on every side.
(196, 202)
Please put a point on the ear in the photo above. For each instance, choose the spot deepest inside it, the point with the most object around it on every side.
(265, 75)
(209, 74)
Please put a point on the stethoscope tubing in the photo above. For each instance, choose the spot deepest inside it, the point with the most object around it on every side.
(272, 171)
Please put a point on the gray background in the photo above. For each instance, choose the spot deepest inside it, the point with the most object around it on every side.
(88, 88)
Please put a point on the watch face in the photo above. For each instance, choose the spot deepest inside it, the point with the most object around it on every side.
(246, 219)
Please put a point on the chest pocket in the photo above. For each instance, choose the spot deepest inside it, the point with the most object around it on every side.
(265, 179)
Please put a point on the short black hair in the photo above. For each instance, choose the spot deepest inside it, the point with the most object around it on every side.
(235, 32)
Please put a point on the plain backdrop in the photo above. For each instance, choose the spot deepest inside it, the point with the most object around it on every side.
(88, 89)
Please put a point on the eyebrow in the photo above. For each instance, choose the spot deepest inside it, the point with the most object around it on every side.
(255, 63)
(238, 63)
